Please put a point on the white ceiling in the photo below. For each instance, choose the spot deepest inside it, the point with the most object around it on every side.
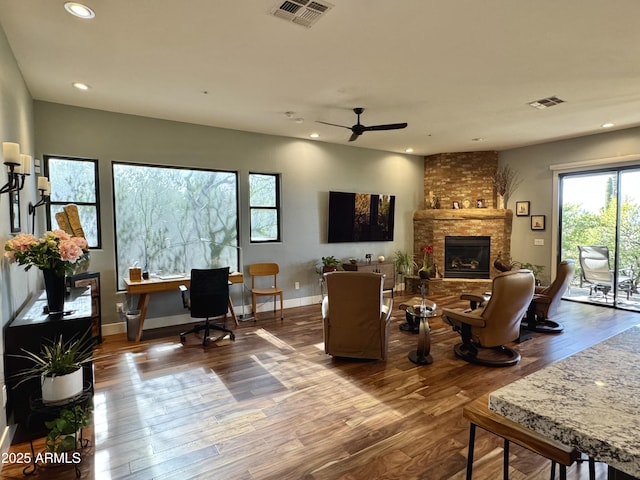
(455, 70)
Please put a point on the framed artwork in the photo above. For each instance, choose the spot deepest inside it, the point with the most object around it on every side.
(522, 209)
(14, 211)
(537, 222)
(455, 205)
(480, 203)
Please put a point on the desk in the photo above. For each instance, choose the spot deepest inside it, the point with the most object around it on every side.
(590, 401)
(144, 288)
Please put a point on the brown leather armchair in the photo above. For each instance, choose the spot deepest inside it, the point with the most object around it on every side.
(484, 331)
(355, 315)
(547, 299)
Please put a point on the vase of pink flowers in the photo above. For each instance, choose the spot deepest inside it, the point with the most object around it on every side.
(56, 254)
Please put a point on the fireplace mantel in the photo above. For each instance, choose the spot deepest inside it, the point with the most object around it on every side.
(463, 214)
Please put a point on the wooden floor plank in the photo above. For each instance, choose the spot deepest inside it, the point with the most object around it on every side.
(273, 405)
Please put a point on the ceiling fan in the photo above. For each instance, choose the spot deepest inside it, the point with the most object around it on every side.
(358, 129)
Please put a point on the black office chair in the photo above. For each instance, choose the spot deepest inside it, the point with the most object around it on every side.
(208, 297)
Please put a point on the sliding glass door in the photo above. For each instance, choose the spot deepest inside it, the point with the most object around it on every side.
(600, 229)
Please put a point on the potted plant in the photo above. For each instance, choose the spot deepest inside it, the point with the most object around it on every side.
(536, 269)
(330, 264)
(59, 367)
(404, 262)
(64, 430)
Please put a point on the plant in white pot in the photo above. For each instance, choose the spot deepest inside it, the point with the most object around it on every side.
(59, 367)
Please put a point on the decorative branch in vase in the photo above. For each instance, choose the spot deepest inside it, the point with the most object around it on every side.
(506, 181)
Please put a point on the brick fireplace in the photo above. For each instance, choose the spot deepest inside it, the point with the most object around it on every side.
(464, 178)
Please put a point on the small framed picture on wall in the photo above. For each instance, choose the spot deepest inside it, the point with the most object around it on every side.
(537, 222)
(522, 209)
(455, 205)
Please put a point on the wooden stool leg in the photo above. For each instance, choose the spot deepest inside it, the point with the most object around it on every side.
(472, 437)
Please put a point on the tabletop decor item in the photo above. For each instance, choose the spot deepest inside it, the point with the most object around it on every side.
(56, 254)
(330, 264)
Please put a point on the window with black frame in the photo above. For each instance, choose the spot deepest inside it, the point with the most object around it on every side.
(75, 180)
(264, 207)
(169, 220)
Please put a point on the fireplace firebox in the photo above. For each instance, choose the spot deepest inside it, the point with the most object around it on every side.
(467, 256)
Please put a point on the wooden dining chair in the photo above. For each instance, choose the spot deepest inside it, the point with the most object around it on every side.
(257, 270)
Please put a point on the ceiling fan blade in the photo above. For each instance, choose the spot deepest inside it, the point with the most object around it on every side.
(333, 124)
(388, 126)
(354, 136)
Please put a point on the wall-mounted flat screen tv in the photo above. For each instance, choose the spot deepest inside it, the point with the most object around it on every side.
(360, 217)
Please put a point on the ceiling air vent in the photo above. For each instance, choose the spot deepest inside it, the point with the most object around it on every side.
(546, 102)
(301, 12)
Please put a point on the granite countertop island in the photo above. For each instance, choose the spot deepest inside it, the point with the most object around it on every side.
(590, 400)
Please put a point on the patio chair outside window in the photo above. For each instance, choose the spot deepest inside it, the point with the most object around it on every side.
(596, 273)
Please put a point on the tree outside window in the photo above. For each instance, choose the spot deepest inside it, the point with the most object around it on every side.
(170, 220)
(264, 207)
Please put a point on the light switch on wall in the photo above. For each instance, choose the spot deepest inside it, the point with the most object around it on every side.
(538, 241)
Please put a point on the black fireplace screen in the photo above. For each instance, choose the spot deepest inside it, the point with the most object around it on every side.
(467, 257)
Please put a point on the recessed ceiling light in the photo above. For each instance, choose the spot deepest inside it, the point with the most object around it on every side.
(79, 10)
(314, 135)
(607, 125)
(80, 86)
(408, 150)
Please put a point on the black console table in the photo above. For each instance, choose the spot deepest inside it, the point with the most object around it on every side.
(30, 329)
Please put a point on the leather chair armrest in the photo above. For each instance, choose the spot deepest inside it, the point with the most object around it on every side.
(474, 297)
(538, 298)
(540, 289)
(464, 317)
(325, 307)
(385, 312)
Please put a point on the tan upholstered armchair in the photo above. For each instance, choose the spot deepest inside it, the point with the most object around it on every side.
(355, 315)
(485, 330)
(546, 300)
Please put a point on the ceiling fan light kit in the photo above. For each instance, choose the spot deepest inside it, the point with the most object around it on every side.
(358, 129)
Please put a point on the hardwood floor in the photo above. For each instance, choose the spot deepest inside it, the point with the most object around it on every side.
(273, 405)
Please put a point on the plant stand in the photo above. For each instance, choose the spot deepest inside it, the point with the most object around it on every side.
(41, 412)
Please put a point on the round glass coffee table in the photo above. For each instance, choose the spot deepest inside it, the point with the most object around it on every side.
(421, 314)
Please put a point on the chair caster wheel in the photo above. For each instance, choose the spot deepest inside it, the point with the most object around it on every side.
(205, 342)
(232, 336)
(182, 339)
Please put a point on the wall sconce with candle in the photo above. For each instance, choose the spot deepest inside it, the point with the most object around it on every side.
(18, 167)
(44, 187)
